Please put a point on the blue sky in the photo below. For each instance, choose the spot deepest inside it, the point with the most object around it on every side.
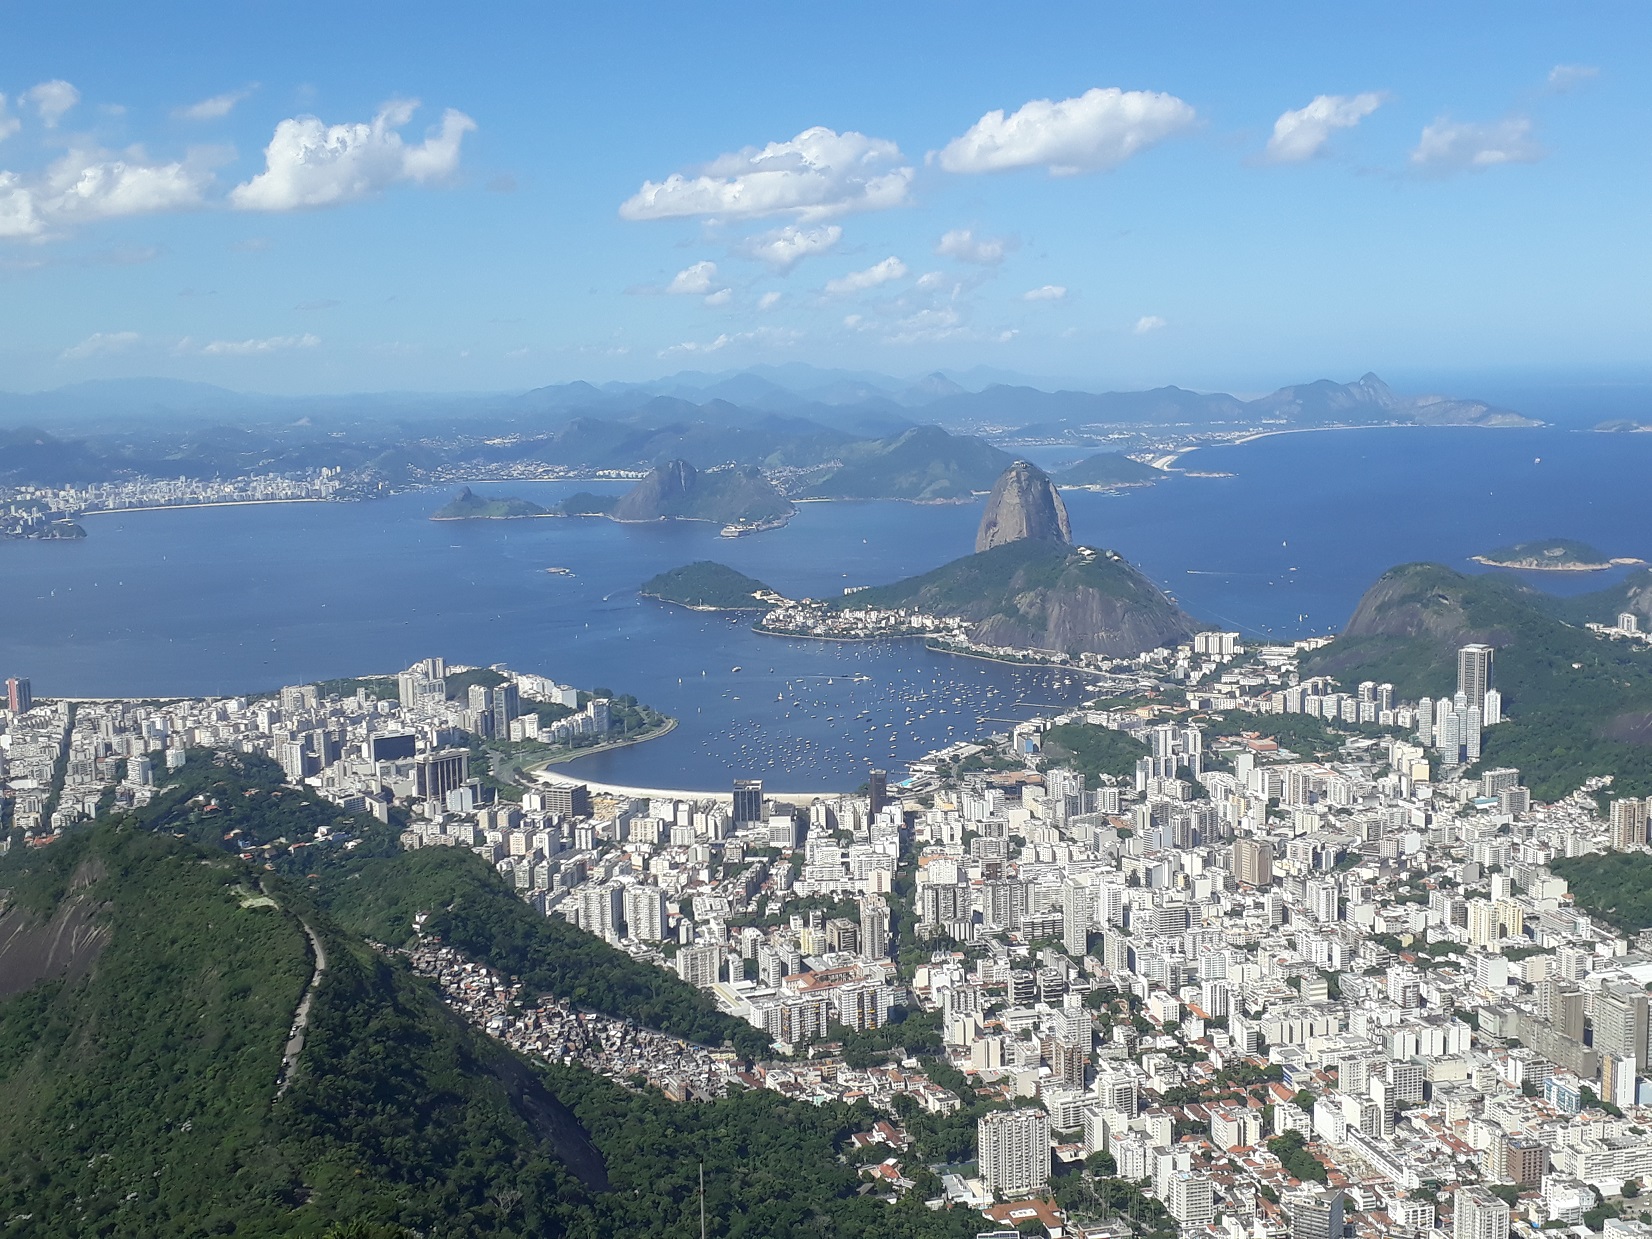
(1214, 195)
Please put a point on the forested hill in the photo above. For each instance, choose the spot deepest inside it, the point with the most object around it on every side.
(1575, 704)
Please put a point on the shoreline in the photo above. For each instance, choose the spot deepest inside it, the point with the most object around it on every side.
(214, 503)
(1533, 566)
(703, 609)
(536, 769)
(627, 791)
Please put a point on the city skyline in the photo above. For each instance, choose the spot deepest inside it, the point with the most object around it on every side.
(1125, 199)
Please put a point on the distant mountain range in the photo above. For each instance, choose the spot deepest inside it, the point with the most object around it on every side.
(841, 434)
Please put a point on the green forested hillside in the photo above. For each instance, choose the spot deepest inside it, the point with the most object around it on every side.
(1615, 886)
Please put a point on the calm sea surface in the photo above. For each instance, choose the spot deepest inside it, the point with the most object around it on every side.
(235, 599)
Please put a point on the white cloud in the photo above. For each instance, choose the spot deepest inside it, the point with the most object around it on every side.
(768, 301)
(215, 108)
(693, 281)
(818, 173)
(1300, 135)
(965, 246)
(89, 184)
(1149, 322)
(778, 337)
(784, 248)
(19, 216)
(1564, 77)
(721, 297)
(253, 348)
(927, 327)
(1050, 292)
(9, 124)
(1449, 146)
(52, 99)
(890, 268)
(931, 280)
(309, 164)
(101, 342)
(1099, 129)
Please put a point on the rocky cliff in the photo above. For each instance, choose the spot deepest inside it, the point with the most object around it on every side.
(678, 490)
(1023, 506)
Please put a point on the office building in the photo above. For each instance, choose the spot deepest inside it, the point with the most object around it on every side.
(1013, 1147)
(437, 774)
(1479, 1215)
(19, 699)
(878, 790)
(391, 748)
(568, 800)
(1317, 1214)
(748, 802)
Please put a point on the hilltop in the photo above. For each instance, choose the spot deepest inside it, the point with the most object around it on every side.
(1108, 469)
(707, 586)
(923, 464)
(1043, 595)
(676, 490)
(1575, 705)
(1024, 504)
(469, 506)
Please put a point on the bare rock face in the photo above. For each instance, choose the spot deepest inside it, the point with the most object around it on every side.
(664, 492)
(1024, 504)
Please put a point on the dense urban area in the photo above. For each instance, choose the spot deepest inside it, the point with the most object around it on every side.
(1236, 950)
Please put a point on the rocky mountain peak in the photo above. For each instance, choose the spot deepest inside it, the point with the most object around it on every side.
(1024, 504)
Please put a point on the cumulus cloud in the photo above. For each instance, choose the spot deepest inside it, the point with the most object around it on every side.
(721, 297)
(1149, 322)
(1301, 135)
(768, 301)
(52, 99)
(1050, 292)
(19, 216)
(90, 184)
(254, 348)
(9, 124)
(890, 268)
(817, 174)
(215, 108)
(100, 342)
(1564, 77)
(1098, 130)
(693, 281)
(1451, 146)
(784, 248)
(311, 164)
(965, 246)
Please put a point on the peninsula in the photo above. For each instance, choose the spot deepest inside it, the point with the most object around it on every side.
(467, 505)
(1552, 555)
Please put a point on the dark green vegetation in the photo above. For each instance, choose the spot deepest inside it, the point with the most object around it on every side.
(1575, 705)
(469, 506)
(139, 1085)
(1303, 734)
(924, 463)
(1615, 886)
(1550, 553)
(677, 490)
(584, 503)
(378, 687)
(707, 584)
(1109, 469)
(1292, 1152)
(1092, 751)
(1043, 595)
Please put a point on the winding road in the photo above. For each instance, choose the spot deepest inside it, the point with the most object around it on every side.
(301, 1017)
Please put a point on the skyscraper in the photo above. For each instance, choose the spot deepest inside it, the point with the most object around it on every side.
(19, 699)
(874, 927)
(1317, 1215)
(1014, 1148)
(748, 801)
(1474, 673)
(878, 788)
(1253, 861)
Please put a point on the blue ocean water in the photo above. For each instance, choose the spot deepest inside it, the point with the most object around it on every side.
(234, 599)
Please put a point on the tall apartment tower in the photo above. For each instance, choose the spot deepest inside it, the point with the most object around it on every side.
(19, 698)
(878, 786)
(1629, 817)
(1253, 861)
(1318, 1215)
(1474, 673)
(1014, 1149)
(1479, 1215)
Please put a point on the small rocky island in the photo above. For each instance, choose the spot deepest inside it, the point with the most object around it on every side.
(710, 586)
(467, 505)
(1552, 555)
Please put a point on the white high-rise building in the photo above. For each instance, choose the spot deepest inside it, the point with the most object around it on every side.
(1479, 1215)
(1474, 671)
(1014, 1151)
(645, 913)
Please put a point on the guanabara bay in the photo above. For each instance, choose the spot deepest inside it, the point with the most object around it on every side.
(825, 622)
